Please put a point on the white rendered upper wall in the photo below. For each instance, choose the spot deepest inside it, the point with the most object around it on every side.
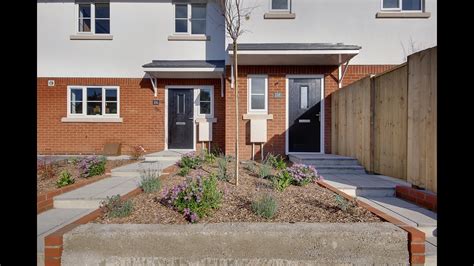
(141, 28)
(383, 40)
(140, 31)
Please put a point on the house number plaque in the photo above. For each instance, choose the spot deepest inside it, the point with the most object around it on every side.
(277, 94)
(156, 102)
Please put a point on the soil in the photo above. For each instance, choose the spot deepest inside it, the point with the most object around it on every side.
(310, 203)
(44, 185)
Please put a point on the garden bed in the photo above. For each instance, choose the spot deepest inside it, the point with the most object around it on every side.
(309, 203)
(48, 183)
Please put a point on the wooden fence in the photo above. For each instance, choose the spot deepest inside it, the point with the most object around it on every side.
(388, 122)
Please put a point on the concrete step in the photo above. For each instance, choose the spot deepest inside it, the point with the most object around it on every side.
(162, 158)
(431, 254)
(340, 169)
(323, 160)
(369, 192)
(91, 195)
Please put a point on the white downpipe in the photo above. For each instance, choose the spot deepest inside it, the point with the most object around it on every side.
(232, 76)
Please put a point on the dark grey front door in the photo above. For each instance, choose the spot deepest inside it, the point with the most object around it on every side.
(180, 119)
(304, 115)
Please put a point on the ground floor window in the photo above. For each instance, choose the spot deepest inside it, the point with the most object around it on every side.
(93, 101)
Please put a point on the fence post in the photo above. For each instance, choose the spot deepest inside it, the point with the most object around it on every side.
(372, 125)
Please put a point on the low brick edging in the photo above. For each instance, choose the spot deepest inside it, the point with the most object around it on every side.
(53, 243)
(416, 238)
(422, 198)
(44, 201)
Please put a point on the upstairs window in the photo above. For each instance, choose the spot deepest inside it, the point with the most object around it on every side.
(280, 5)
(93, 18)
(190, 18)
(402, 5)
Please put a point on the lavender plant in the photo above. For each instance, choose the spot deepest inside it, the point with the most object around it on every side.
(302, 174)
(92, 166)
(191, 160)
(195, 198)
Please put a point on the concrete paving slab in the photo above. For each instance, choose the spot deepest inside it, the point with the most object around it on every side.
(51, 220)
(422, 217)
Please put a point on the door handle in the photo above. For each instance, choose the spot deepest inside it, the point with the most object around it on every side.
(191, 118)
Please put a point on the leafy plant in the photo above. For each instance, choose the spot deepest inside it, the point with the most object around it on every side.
(282, 180)
(264, 171)
(74, 161)
(65, 178)
(137, 152)
(222, 168)
(116, 207)
(150, 180)
(184, 171)
(302, 174)
(195, 198)
(191, 160)
(345, 204)
(46, 170)
(276, 161)
(251, 168)
(207, 156)
(92, 166)
(266, 206)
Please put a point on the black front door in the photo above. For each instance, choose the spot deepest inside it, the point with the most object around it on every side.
(180, 119)
(304, 115)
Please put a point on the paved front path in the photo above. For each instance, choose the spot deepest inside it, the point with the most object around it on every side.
(379, 192)
(75, 204)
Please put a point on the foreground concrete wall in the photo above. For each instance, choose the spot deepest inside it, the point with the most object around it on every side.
(236, 244)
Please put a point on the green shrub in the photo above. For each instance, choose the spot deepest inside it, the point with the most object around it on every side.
(195, 198)
(191, 160)
(65, 178)
(282, 180)
(150, 180)
(222, 168)
(74, 161)
(266, 206)
(303, 174)
(276, 161)
(184, 171)
(207, 156)
(116, 207)
(92, 166)
(264, 171)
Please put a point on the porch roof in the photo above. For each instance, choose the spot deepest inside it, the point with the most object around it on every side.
(294, 53)
(185, 68)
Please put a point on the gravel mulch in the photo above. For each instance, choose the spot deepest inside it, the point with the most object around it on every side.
(311, 203)
(47, 185)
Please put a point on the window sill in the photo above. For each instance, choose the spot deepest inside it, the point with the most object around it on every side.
(403, 15)
(257, 116)
(91, 37)
(279, 15)
(199, 37)
(92, 120)
(206, 119)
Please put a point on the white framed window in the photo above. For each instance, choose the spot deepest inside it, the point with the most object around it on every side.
(257, 94)
(93, 101)
(190, 19)
(402, 5)
(206, 102)
(93, 17)
(280, 5)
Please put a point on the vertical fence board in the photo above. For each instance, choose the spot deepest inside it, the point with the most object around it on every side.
(422, 119)
(404, 112)
(391, 123)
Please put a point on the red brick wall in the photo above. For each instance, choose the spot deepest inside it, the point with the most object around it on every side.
(143, 123)
(277, 82)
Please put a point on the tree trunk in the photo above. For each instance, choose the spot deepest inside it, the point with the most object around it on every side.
(236, 88)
